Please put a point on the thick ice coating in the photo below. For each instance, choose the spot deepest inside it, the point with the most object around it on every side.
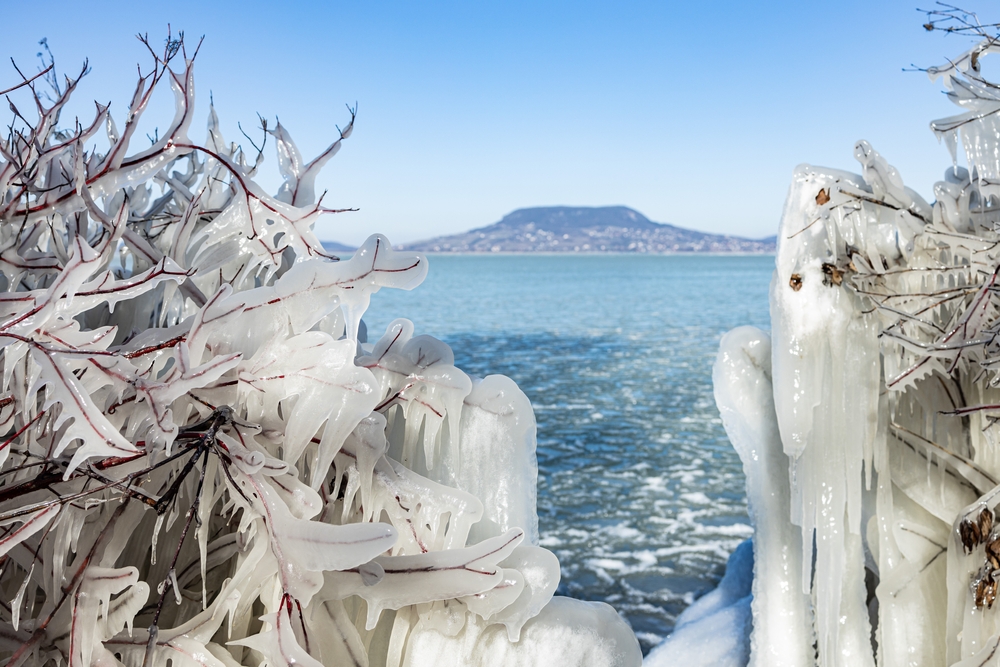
(744, 394)
(567, 632)
(496, 460)
(867, 422)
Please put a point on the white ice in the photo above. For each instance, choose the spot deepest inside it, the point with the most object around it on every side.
(715, 630)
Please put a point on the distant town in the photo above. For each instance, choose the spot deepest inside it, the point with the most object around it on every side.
(583, 230)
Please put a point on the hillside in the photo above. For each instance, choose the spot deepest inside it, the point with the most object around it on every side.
(586, 229)
(333, 246)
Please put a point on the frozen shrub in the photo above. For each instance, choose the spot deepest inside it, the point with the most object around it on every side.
(201, 464)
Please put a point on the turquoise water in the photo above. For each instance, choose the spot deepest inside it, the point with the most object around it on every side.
(641, 495)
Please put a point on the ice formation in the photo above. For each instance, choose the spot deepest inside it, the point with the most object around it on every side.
(715, 630)
(203, 465)
(867, 420)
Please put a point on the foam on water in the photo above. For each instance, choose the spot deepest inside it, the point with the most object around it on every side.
(641, 496)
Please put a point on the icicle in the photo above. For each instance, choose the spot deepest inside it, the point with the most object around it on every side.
(156, 535)
(743, 392)
(18, 600)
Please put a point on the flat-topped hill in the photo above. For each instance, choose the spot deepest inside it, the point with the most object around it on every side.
(586, 229)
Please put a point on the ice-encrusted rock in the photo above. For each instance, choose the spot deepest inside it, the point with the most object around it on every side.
(715, 630)
(567, 632)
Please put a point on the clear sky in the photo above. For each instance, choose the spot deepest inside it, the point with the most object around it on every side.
(692, 113)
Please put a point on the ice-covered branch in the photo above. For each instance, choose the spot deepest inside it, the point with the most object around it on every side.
(200, 462)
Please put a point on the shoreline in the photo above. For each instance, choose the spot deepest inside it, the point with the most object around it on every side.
(518, 253)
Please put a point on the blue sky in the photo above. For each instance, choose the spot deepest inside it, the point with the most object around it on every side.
(692, 113)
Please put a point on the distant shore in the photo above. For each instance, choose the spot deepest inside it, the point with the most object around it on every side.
(586, 230)
(585, 253)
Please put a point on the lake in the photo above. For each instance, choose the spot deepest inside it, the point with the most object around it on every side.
(640, 494)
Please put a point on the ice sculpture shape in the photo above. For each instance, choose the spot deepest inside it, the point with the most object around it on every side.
(200, 466)
(867, 420)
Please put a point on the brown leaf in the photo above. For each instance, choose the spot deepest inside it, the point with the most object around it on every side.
(833, 275)
(823, 196)
(970, 535)
(985, 522)
(993, 552)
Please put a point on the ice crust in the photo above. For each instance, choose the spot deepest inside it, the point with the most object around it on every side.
(866, 420)
(567, 632)
(715, 630)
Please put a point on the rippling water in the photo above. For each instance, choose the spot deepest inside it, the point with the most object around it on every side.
(640, 494)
